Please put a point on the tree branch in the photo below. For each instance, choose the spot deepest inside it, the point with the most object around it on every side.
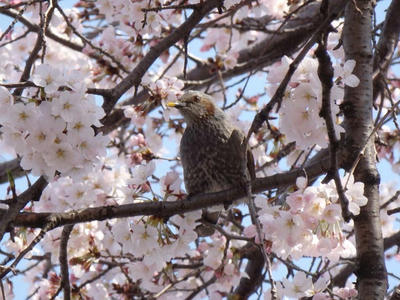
(39, 44)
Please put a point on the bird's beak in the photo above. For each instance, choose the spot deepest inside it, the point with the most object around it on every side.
(174, 104)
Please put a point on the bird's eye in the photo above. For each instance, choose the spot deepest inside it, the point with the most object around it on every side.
(196, 99)
(193, 100)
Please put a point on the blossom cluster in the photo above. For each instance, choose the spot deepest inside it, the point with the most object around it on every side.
(53, 131)
(310, 223)
(302, 101)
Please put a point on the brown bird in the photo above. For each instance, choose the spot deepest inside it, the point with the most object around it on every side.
(213, 152)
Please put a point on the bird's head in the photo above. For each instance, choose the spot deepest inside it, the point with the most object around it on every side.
(196, 106)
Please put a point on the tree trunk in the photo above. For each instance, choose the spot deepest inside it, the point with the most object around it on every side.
(357, 108)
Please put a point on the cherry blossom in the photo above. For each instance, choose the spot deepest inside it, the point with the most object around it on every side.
(345, 73)
(48, 77)
(302, 103)
(299, 287)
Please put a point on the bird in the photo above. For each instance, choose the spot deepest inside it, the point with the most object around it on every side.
(214, 153)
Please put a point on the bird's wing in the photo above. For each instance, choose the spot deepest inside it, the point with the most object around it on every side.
(250, 163)
(217, 163)
(237, 140)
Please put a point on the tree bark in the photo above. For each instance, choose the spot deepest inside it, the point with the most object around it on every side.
(359, 144)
